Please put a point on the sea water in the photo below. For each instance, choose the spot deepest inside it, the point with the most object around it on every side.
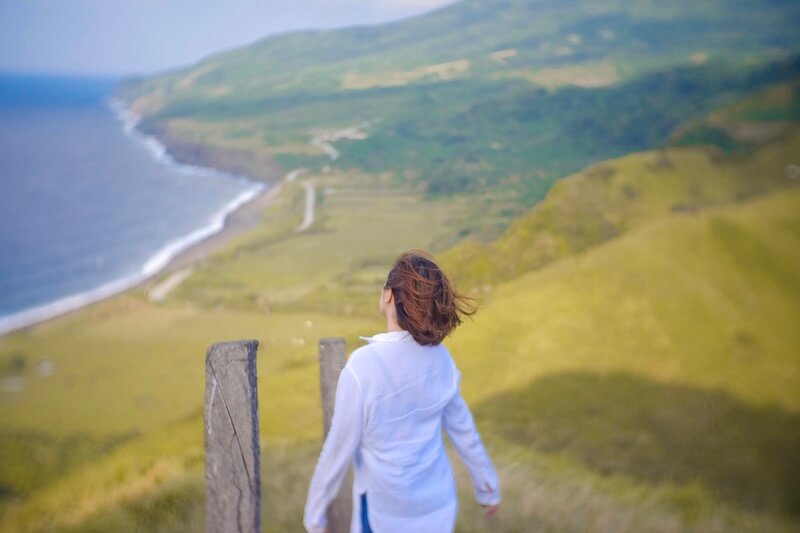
(90, 206)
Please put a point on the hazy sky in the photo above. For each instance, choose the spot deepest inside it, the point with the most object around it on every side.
(146, 36)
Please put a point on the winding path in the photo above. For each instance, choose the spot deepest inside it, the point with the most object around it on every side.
(308, 215)
(323, 142)
(160, 291)
(291, 176)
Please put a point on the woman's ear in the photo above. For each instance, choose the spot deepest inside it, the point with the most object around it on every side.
(388, 296)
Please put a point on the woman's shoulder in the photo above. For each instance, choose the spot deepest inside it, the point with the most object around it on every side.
(362, 360)
(359, 355)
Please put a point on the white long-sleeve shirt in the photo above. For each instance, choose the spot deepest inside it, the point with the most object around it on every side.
(393, 399)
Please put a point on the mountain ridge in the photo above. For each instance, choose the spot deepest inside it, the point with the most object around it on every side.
(532, 33)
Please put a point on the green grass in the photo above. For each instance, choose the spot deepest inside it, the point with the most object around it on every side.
(618, 422)
(611, 198)
(707, 299)
(335, 266)
(668, 354)
(690, 314)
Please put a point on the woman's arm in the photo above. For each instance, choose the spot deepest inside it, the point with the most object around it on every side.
(337, 451)
(460, 427)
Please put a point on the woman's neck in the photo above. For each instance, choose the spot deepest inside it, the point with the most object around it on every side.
(391, 323)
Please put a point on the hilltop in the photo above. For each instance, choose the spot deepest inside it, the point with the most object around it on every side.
(546, 42)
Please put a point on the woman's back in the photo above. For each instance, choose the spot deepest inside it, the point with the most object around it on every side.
(406, 387)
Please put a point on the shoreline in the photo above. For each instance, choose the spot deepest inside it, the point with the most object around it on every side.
(238, 222)
(237, 217)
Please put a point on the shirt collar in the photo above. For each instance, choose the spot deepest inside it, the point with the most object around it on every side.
(389, 336)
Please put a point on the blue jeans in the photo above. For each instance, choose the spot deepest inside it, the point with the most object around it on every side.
(364, 520)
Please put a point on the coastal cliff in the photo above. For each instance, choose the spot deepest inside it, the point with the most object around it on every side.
(252, 164)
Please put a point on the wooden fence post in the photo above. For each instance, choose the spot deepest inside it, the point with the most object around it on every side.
(233, 470)
(332, 358)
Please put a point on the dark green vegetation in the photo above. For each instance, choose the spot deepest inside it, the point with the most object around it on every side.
(528, 138)
(751, 122)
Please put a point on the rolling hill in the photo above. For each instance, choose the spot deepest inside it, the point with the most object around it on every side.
(607, 199)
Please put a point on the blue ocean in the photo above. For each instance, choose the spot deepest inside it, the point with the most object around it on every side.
(90, 205)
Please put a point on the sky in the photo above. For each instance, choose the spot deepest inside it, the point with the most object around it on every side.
(128, 37)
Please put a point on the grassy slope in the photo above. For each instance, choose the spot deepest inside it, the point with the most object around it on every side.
(667, 354)
(699, 307)
(610, 198)
(705, 299)
(696, 354)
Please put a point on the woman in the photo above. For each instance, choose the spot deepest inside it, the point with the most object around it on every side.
(393, 398)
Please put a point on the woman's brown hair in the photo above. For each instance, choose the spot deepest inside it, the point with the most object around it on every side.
(427, 305)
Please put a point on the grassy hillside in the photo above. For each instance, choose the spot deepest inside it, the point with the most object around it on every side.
(610, 198)
(669, 354)
(691, 312)
(486, 39)
(659, 369)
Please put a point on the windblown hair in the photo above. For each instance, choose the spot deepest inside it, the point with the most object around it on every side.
(427, 305)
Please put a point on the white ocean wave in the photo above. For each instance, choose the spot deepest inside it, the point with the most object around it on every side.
(157, 261)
